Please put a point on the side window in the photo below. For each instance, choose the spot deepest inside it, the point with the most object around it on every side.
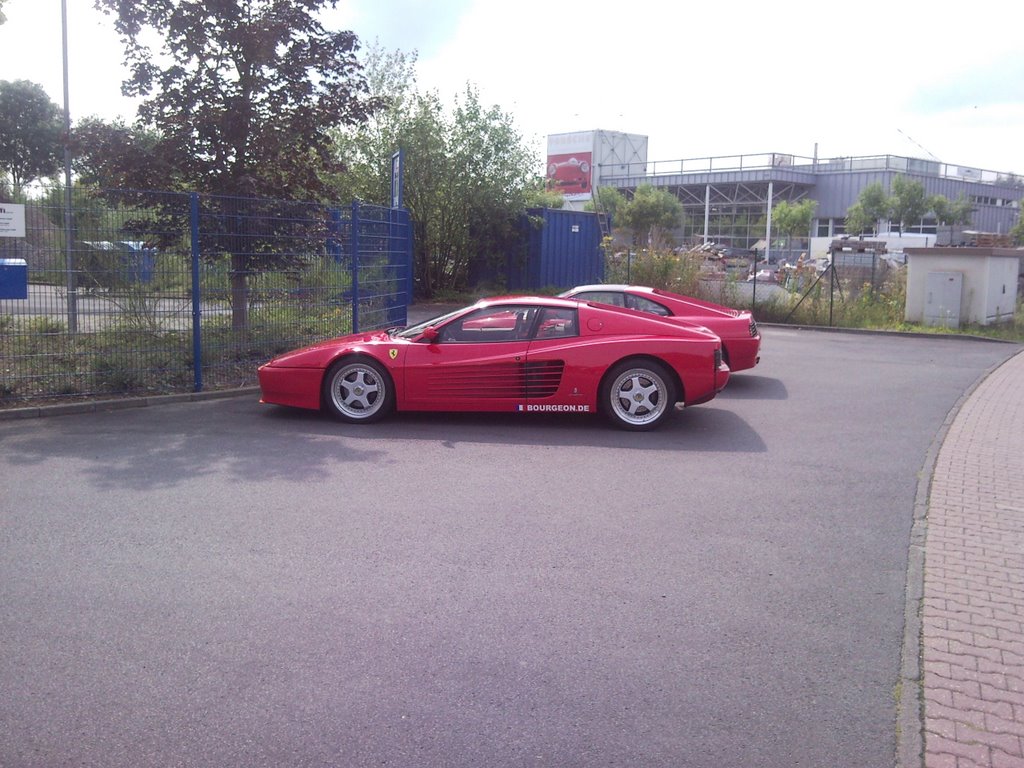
(602, 297)
(646, 305)
(556, 323)
(493, 324)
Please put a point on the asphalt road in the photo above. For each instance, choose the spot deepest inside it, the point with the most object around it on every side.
(229, 584)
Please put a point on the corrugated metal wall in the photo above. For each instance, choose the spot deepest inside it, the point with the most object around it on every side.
(836, 192)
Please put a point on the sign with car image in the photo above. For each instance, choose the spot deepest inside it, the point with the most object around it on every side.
(570, 174)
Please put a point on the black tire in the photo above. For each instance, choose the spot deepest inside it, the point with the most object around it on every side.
(638, 395)
(358, 390)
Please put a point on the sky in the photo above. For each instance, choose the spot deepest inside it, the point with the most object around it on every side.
(702, 79)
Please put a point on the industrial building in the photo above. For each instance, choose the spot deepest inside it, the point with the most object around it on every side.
(726, 199)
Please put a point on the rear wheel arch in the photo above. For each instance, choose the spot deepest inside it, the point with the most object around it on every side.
(677, 383)
(639, 392)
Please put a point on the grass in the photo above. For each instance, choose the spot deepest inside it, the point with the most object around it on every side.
(853, 305)
(41, 361)
(881, 310)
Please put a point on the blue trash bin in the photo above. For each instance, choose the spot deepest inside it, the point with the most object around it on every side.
(13, 279)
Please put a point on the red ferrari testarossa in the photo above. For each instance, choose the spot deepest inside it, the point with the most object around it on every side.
(519, 354)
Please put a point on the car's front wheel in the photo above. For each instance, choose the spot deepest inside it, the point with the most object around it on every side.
(358, 391)
(638, 395)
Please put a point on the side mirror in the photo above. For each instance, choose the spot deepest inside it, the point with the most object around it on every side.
(430, 334)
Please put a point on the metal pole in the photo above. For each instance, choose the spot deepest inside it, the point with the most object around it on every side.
(767, 240)
(197, 337)
(707, 211)
(753, 293)
(831, 289)
(69, 229)
(355, 266)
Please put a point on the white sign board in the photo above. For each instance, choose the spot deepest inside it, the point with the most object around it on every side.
(12, 220)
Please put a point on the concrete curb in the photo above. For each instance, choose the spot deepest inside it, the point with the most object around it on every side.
(878, 332)
(95, 406)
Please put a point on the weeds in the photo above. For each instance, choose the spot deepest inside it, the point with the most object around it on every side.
(677, 272)
(848, 304)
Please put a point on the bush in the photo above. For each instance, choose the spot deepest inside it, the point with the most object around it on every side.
(677, 272)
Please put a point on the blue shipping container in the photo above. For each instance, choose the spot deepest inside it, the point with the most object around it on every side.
(563, 249)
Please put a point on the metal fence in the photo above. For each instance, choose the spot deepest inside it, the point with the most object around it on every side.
(154, 292)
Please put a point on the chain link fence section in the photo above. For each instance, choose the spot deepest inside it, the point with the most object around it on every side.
(161, 292)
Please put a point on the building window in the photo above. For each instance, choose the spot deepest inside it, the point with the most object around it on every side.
(823, 227)
(927, 226)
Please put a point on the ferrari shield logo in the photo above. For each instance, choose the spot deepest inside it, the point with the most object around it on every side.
(393, 353)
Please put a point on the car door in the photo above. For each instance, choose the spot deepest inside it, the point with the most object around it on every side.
(477, 363)
(559, 370)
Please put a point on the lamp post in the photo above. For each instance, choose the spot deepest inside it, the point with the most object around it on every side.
(69, 251)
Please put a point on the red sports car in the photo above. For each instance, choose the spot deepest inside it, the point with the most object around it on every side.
(741, 341)
(545, 355)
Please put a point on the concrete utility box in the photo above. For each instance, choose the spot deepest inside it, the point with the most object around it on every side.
(13, 279)
(988, 293)
(943, 298)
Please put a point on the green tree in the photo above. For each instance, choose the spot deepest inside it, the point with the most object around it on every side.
(240, 98)
(115, 154)
(793, 219)
(1017, 233)
(492, 170)
(875, 201)
(364, 150)
(949, 213)
(537, 195)
(31, 132)
(651, 214)
(467, 173)
(610, 201)
(908, 202)
(858, 221)
(875, 205)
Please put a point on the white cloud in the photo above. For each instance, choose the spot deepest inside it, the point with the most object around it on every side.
(696, 78)
(729, 78)
(31, 49)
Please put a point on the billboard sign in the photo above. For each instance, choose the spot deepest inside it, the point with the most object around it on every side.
(570, 165)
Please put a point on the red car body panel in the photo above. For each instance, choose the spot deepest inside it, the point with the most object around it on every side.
(736, 328)
(514, 374)
(463, 377)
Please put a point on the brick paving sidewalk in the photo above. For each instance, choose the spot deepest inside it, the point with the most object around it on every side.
(973, 615)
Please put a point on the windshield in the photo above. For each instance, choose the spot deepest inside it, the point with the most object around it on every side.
(415, 330)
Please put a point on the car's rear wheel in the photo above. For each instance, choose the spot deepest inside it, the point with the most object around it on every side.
(358, 391)
(638, 395)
